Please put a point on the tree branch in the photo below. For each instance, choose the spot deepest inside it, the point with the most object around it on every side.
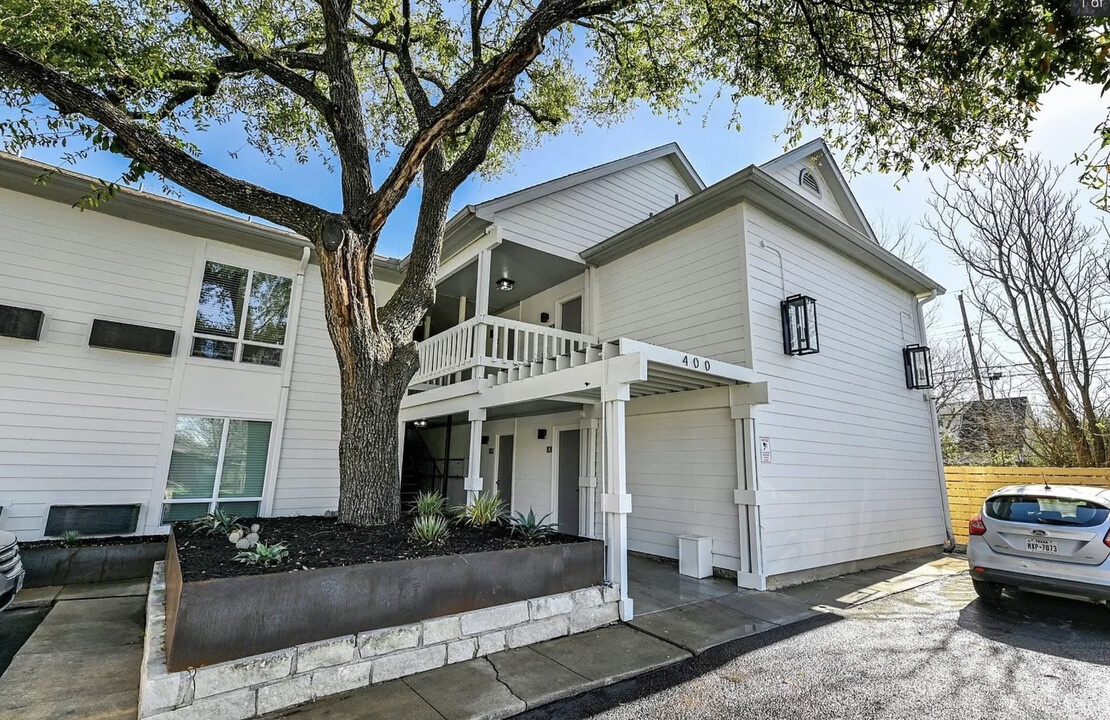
(150, 148)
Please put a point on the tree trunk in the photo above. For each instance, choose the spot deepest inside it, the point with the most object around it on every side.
(369, 469)
(374, 370)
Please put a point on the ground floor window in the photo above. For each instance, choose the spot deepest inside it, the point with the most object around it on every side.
(216, 462)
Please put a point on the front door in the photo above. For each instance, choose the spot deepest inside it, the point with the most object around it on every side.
(568, 481)
(505, 469)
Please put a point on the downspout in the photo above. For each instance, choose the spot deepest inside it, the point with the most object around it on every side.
(950, 538)
(278, 434)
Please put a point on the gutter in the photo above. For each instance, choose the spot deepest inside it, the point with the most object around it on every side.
(277, 434)
(950, 538)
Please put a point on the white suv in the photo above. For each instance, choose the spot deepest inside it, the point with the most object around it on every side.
(1043, 538)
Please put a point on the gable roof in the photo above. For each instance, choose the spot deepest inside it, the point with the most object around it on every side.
(472, 220)
(753, 184)
(817, 151)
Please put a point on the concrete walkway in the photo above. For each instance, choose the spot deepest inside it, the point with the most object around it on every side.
(684, 619)
(83, 660)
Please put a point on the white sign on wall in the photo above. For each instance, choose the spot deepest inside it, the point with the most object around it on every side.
(765, 449)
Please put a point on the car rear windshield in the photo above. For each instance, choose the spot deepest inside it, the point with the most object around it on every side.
(1046, 510)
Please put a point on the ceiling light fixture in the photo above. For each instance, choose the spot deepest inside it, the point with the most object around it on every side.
(505, 284)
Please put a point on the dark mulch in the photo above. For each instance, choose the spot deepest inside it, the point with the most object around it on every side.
(319, 542)
(93, 542)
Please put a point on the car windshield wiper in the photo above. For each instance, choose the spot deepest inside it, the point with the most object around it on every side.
(1049, 521)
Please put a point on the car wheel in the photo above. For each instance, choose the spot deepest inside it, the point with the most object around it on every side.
(988, 592)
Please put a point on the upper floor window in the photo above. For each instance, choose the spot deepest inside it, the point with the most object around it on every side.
(809, 181)
(242, 315)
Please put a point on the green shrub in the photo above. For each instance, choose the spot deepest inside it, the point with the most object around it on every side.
(430, 529)
(487, 509)
(429, 503)
(264, 555)
(216, 522)
(530, 527)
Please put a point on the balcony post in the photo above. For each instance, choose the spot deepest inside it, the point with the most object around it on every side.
(616, 502)
(473, 482)
(481, 296)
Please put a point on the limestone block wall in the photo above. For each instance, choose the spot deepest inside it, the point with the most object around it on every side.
(262, 684)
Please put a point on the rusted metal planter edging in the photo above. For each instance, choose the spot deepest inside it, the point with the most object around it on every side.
(211, 621)
(90, 564)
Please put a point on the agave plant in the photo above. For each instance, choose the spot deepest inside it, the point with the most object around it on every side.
(264, 555)
(430, 529)
(530, 527)
(487, 509)
(69, 537)
(216, 522)
(429, 503)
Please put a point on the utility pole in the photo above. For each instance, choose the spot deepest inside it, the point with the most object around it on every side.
(971, 348)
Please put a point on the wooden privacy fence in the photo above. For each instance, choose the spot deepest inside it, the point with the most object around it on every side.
(969, 486)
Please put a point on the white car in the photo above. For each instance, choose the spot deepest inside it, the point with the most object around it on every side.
(11, 569)
(1053, 539)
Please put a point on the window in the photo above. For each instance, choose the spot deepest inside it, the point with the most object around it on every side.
(241, 316)
(216, 462)
(1046, 510)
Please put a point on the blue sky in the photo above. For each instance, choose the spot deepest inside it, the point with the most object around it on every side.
(1063, 129)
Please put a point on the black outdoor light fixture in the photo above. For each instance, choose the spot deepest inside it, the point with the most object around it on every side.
(505, 284)
(919, 367)
(799, 325)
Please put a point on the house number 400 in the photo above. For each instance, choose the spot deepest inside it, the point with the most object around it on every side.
(696, 363)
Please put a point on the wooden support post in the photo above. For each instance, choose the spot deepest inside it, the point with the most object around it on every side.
(481, 296)
(616, 502)
(473, 482)
(587, 480)
(743, 399)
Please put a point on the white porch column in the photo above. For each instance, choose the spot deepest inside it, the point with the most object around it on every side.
(587, 481)
(616, 502)
(481, 296)
(473, 482)
(743, 399)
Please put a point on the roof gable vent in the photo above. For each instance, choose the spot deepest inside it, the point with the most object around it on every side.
(809, 181)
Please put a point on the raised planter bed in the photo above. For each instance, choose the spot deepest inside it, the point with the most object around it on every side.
(91, 560)
(225, 618)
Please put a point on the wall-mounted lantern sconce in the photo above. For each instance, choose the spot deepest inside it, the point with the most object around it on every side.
(505, 284)
(919, 367)
(544, 317)
(541, 434)
(799, 325)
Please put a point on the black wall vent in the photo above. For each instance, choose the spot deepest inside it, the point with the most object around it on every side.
(134, 338)
(21, 323)
(92, 519)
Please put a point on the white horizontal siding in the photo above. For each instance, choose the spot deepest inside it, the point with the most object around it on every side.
(853, 471)
(681, 475)
(790, 175)
(307, 480)
(80, 424)
(684, 292)
(578, 218)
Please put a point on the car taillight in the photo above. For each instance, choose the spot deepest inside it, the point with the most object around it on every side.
(1106, 540)
(975, 526)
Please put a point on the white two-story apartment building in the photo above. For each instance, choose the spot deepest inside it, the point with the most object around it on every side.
(639, 355)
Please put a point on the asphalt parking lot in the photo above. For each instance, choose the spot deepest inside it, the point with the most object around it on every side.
(932, 652)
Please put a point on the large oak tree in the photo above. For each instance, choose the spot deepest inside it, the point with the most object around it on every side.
(444, 90)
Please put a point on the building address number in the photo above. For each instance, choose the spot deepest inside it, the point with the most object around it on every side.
(695, 362)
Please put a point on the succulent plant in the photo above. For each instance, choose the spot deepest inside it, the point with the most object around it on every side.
(216, 522)
(531, 528)
(487, 509)
(264, 555)
(429, 503)
(69, 537)
(430, 529)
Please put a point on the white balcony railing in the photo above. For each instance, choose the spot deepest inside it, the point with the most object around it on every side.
(495, 343)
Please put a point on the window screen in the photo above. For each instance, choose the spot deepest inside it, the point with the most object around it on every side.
(241, 315)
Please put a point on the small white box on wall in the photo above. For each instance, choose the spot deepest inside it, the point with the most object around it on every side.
(695, 556)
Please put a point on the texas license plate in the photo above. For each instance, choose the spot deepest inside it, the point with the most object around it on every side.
(1042, 546)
